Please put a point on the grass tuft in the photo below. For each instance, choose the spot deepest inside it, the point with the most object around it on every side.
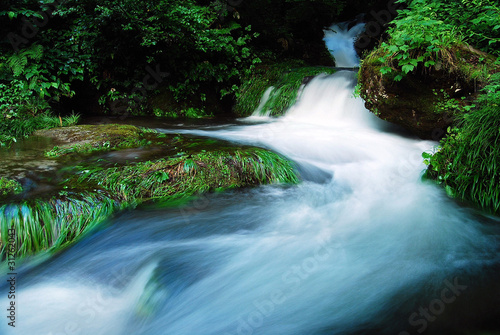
(468, 160)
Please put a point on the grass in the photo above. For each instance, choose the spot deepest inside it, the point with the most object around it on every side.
(187, 175)
(468, 161)
(51, 225)
(19, 127)
(286, 78)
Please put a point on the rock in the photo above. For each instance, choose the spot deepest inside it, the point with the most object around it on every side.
(425, 100)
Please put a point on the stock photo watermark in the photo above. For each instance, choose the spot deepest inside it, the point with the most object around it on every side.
(12, 277)
(291, 281)
(420, 319)
(32, 26)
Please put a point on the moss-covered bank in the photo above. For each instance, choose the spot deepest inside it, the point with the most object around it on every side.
(94, 185)
(426, 100)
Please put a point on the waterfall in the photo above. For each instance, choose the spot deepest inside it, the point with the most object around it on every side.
(339, 39)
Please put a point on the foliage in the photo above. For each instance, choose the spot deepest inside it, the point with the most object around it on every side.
(426, 34)
(286, 78)
(467, 161)
(116, 47)
(181, 36)
(9, 186)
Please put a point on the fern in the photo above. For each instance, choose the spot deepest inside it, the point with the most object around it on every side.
(17, 62)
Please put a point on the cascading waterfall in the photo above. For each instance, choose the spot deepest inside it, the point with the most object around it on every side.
(339, 39)
(260, 111)
(356, 248)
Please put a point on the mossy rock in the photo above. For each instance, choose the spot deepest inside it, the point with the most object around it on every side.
(189, 174)
(93, 134)
(420, 101)
(92, 138)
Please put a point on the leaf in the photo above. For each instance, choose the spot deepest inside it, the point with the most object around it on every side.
(385, 70)
(407, 68)
(426, 155)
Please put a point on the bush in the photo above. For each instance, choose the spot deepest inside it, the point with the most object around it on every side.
(429, 33)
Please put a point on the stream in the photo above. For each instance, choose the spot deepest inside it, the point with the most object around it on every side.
(361, 246)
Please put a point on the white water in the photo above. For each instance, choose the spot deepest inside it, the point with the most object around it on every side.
(355, 248)
(260, 111)
(339, 39)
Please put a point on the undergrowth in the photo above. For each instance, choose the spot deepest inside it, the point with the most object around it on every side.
(13, 128)
(468, 159)
(435, 35)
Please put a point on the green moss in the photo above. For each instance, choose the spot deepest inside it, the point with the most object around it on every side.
(9, 186)
(87, 139)
(286, 78)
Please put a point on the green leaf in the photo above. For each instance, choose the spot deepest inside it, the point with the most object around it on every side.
(385, 70)
(407, 68)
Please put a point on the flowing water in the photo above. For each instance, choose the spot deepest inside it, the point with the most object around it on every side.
(359, 247)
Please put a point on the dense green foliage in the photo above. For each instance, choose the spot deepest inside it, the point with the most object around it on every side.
(9, 186)
(428, 34)
(468, 159)
(122, 51)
